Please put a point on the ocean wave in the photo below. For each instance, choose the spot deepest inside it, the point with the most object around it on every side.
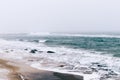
(68, 34)
(38, 40)
(93, 35)
(76, 60)
(38, 33)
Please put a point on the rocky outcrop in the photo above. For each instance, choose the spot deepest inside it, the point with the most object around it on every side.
(50, 52)
(33, 51)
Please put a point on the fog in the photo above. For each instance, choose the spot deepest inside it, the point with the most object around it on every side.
(59, 16)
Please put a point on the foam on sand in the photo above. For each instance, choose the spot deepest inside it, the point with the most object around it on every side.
(80, 62)
(4, 73)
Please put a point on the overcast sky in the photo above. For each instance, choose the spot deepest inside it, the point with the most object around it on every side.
(59, 15)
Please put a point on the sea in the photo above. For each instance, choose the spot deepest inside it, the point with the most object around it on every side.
(97, 53)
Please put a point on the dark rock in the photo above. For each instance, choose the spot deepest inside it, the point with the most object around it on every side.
(101, 65)
(33, 51)
(50, 52)
(61, 65)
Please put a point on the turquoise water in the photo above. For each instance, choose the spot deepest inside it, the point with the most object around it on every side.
(106, 45)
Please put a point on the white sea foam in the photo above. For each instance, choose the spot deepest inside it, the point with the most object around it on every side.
(80, 34)
(42, 41)
(39, 33)
(4, 74)
(73, 58)
(93, 76)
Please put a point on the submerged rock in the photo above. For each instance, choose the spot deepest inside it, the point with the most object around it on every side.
(40, 51)
(112, 73)
(21, 40)
(94, 70)
(95, 63)
(7, 51)
(50, 52)
(102, 65)
(37, 41)
(26, 49)
(11, 50)
(87, 72)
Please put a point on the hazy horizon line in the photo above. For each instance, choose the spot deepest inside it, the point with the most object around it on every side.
(61, 32)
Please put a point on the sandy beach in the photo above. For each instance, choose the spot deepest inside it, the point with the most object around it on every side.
(20, 71)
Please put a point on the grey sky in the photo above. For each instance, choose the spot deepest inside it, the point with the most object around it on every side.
(59, 15)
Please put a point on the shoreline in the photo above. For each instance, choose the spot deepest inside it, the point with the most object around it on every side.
(90, 65)
(21, 71)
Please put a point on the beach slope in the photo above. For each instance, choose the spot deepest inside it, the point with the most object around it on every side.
(19, 71)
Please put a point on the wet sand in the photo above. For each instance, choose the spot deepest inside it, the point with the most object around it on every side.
(21, 71)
